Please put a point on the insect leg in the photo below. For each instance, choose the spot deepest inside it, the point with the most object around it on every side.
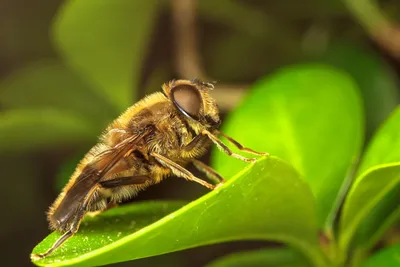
(178, 170)
(221, 146)
(58, 243)
(110, 205)
(195, 141)
(117, 182)
(74, 226)
(211, 174)
(240, 147)
(121, 181)
(63, 238)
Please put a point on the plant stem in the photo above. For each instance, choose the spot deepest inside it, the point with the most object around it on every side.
(188, 59)
(368, 14)
(384, 31)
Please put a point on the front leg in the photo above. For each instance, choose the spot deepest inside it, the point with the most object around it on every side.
(180, 171)
(193, 143)
(210, 173)
(239, 146)
(221, 146)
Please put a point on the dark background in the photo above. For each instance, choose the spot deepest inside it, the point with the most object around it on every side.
(233, 42)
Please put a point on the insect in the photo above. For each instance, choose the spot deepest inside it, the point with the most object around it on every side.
(155, 138)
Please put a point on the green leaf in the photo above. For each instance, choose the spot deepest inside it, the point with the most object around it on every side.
(106, 40)
(384, 148)
(366, 192)
(380, 219)
(373, 228)
(265, 257)
(50, 84)
(377, 81)
(387, 257)
(385, 145)
(309, 115)
(24, 130)
(270, 191)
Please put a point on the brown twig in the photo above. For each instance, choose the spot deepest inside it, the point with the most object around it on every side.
(389, 39)
(385, 32)
(186, 51)
(188, 62)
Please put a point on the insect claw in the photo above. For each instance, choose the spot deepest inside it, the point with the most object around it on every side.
(36, 257)
(93, 213)
(218, 185)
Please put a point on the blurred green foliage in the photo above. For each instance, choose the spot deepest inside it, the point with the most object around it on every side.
(318, 114)
(388, 257)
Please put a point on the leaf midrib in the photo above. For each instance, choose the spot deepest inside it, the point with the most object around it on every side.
(289, 135)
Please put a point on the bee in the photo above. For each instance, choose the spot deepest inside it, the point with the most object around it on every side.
(153, 139)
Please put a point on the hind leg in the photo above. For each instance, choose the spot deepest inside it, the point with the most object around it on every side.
(110, 205)
(114, 183)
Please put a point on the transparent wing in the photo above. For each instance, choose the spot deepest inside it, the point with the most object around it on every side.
(91, 174)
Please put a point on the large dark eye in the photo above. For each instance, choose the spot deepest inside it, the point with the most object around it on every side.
(187, 98)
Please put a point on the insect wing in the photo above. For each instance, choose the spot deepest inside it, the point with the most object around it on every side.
(91, 175)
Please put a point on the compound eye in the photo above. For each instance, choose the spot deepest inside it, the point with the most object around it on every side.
(188, 99)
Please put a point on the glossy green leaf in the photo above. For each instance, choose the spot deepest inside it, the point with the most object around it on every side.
(105, 40)
(377, 81)
(104, 231)
(270, 191)
(24, 130)
(266, 257)
(366, 192)
(384, 148)
(165, 260)
(50, 84)
(309, 115)
(385, 145)
(387, 257)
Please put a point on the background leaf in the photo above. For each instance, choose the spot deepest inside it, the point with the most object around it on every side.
(372, 229)
(43, 129)
(50, 84)
(388, 257)
(377, 81)
(273, 257)
(292, 114)
(366, 192)
(384, 148)
(105, 40)
(200, 222)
